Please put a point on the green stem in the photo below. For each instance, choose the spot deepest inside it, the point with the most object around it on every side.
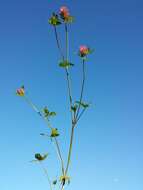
(58, 43)
(67, 42)
(67, 72)
(46, 173)
(70, 149)
(80, 115)
(82, 88)
(59, 153)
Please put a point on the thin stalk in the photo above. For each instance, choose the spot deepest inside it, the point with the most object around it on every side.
(67, 72)
(58, 43)
(70, 149)
(69, 91)
(48, 124)
(59, 153)
(46, 173)
(67, 42)
(82, 88)
(80, 115)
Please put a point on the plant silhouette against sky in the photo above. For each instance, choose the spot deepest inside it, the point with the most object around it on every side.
(76, 107)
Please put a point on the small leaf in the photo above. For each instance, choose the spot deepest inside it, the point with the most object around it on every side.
(40, 157)
(65, 64)
(74, 108)
(47, 113)
(52, 114)
(55, 182)
(54, 20)
(84, 105)
(54, 132)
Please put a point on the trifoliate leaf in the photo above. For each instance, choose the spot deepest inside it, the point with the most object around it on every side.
(84, 105)
(54, 20)
(54, 132)
(47, 113)
(40, 157)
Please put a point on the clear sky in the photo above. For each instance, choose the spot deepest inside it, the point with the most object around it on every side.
(108, 147)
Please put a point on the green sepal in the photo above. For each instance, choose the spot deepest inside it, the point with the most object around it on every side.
(54, 132)
(69, 19)
(40, 157)
(65, 64)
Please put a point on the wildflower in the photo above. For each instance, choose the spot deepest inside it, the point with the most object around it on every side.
(64, 13)
(20, 91)
(83, 51)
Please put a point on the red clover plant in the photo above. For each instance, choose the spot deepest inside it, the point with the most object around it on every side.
(76, 108)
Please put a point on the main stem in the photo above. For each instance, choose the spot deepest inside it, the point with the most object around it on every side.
(70, 149)
(70, 97)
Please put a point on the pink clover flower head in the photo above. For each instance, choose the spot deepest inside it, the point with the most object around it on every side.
(83, 51)
(20, 91)
(64, 12)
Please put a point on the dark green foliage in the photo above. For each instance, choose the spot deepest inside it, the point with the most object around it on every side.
(39, 157)
(54, 20)
(82, 104)
(48, 114)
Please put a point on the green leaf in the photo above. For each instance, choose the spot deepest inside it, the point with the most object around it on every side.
(52, 114)
(54, 132)
(84, 105)
(55, 182)
(74, 108)
(65, 64)
(40, 157)
(54, 20)
(48, 114)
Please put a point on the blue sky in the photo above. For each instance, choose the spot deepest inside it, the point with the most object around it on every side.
(107, 151)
